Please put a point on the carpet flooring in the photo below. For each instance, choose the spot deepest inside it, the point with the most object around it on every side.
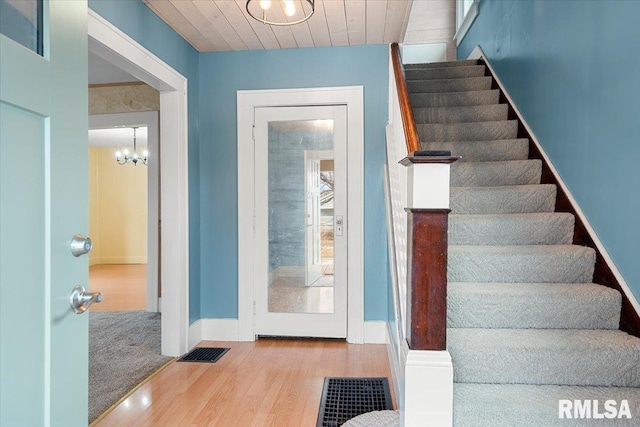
(124, 349)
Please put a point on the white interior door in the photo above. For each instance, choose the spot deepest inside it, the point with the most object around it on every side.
(43, 202)
(300, 238)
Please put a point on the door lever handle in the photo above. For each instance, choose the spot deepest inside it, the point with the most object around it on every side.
(80, 300)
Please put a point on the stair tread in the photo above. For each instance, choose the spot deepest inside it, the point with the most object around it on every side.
(508, 405)
(496, 340)
(545, 356)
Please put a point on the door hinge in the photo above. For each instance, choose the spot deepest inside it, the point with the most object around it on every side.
(253, 132)
(254, 308)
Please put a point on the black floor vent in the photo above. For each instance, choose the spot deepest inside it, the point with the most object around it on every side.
(345, 398)
(204, 354)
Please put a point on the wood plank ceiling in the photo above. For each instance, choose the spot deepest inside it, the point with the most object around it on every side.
(222, 25)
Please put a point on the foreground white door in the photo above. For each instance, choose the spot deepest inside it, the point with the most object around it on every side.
(300, 266)
(43, 203)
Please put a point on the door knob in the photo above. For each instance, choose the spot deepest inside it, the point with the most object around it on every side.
(80, 245)
(80, 300)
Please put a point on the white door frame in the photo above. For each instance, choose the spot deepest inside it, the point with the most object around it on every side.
(247, 101)
(150, 119)
(312, 155)
(111, 44)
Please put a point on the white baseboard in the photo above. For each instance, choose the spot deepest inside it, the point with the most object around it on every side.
(478, 53)
(428, 389)
(375, 332)
(213, 330)
(397, 368)
(195, 333)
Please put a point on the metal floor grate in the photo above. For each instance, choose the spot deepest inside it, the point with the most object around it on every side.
(204, 354)
(345, 398)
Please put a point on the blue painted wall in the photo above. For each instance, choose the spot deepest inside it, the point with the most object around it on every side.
(573, 69)
(221, 75)
(141, 24)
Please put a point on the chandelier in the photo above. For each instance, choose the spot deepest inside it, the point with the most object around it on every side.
(123, 157)
(258, 9)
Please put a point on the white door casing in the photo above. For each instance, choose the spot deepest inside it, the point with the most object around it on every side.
(312, 243)
(303, 323)
(352, 97)
(312, 162)
(111, 44)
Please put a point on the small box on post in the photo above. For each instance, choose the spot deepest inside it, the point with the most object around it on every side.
(428, 176)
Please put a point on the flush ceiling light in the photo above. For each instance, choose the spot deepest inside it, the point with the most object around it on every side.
(258, 9)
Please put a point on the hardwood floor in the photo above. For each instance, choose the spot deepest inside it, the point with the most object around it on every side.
(270, 382)
(123, 286)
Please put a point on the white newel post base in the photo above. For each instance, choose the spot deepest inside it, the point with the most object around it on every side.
(428, 389)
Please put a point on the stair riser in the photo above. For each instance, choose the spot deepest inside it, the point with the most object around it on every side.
(524, 229)
(485, 113)
(509, 405)
(484, 151)
(454, 99)
(569, 367)
(583, 306)
(494, 174)
(496, 200)
(468, 264)
(482, 131)
(449, 85)
(545, 356)
(445, 73)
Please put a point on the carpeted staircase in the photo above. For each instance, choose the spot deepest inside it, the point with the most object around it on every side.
(526, 325)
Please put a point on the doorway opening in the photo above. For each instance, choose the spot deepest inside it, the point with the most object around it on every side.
(124, 206)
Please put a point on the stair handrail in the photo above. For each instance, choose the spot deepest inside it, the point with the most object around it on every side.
(408, 123)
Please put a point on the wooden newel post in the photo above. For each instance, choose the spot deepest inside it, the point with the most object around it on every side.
(427, 224)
